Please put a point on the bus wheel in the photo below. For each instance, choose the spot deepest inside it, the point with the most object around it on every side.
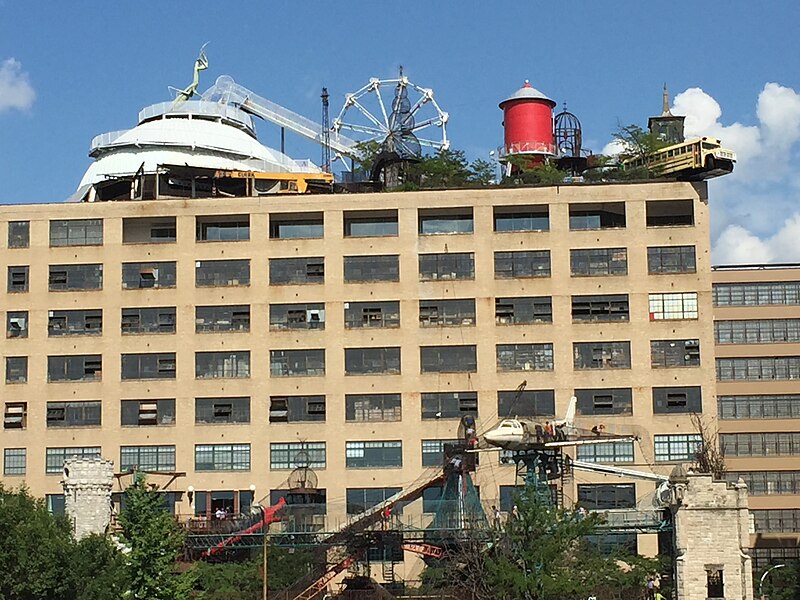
(710, 163)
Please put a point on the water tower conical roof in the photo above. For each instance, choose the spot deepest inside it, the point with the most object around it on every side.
(528, 92)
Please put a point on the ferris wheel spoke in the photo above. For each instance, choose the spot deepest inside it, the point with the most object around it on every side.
(363, 129)
(438, 144)
(370, 116)
(436, 121)
(383, 107)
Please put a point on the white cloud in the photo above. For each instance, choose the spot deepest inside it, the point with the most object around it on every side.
(737, 245)
(16, 90)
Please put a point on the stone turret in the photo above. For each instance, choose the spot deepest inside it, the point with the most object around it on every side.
(87, 493)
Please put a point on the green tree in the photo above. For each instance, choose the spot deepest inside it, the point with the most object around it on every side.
(545, 174)
(481, 172)
(99, 569)
(636, 143)
(783, 583)
(445, 169)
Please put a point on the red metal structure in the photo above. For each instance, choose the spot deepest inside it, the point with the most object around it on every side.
(528, 124)
(269, 516)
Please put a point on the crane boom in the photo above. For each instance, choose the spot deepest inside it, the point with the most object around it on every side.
(598, 468)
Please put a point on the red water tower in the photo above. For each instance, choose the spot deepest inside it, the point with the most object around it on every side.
(528, 125)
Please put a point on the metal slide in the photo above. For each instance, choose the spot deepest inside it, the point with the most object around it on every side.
(269, 516)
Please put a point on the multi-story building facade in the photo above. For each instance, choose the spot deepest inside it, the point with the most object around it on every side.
(757, 336)
(224, 342)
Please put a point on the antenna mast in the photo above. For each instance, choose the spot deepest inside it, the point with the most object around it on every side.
(326, 133)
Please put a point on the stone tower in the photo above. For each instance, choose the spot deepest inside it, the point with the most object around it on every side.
(87, 493)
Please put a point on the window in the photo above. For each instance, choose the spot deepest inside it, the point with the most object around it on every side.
(359, 269)
(758, 368)
(76, 232)
(296, 409)
(371, 361)
(16, 369)
(74, 322)
(432, 499)
(519, 311)
(75, 277)
(286, 271)
(148, 320)
(222, 318)
(606, 215)
(222, 273)
(142, 413)
(296, 226)
(156, 365)
(296, 316)
(757, 331)
(433, 452)
(362, 499)
(228, 364)
(759, 407)
(521, 218)
(614, 544)
(768, 483)
(669, 213)
(222, 457)
(528, 403)
(147, 458)
(524, 357)
(605, 401)
(154, 275)
(149, 230)
(448, 359)
(760, 444)
(372, 314)
(785, 520)
(673, 306)
(678, 447)
(75, 368)
(373, 454)
(15, 415)
(601, 355)
(298, 454)
(610, 452)
(17, 324)
(757, 294)
(446, 313)
(435, 221)
(670, 400)
(19, 234)
(14, 461)
(449, 405)
(56, 504)
(55, 457)
(372, 407)
(598, 261)
(448, 266)
(219, 228)
(74, 414)
(671, 259)
(665, 354)
(297, 363)
(604, 496)
(600, 308)
(221, 410)
(370, 223)
(18, 280)
(522, 264)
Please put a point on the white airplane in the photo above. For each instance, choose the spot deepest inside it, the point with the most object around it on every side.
(521, 434)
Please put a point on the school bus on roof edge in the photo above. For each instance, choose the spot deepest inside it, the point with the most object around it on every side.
(691, 160)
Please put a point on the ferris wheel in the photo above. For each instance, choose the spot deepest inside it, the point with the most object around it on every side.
(408, 123)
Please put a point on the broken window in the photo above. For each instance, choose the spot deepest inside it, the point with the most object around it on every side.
(147, 458)
(524, 357)
(296, 316)
(17, 324)
(671, 259)
(222, 273)
(284, 456)
(379, 454)
(674, 353)
(74, 414)
(372, 314)
(449, 405)
(287, 271)
(148, 320)
(14, 461)
(74, 322)
(155, 365)
(141, 413)
(15, 415)
(371, 361)
(222, 318)
(599, 261)
(149, 230)
(296, 409)
(668, 400)
(222, 410)
(605, 215)
(76, 232)
(528, 403)
(605, 401)
(297, 363)
(436, 221)
(75, 368)
(222, 365)
(600, 308)
(372, 407)
(670, 213)
(447, 313)
(359, 269)
(448, 359)
(18, 280)
(223, 228)
(601, 355)
(447, 266)
(16, 369)
(55, 457)
(75, 277)
(521, 218)
(296, 226)
(370, 223)
(19, 234)
(148, 275)
(522, 264)
(518, 311)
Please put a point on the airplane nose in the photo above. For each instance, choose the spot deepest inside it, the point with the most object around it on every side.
(491, 437)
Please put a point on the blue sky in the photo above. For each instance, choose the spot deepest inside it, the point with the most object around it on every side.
(71, 70)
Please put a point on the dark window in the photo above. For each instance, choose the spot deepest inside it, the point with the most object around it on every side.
(433, 452)
(432, 499)
(296, 409)
(768, 483)
(74, 322)
(667, 400)
(148, 320)
(607, 401)
(14, 461)
(758, 368)
(786, 520)
(19, 234)
(674, 353)
(611, 452)
(17, 324)
(757, 294)
(362, 499)
(227, 364)
(529, 403)
(760, 444)
(18, 279)
(605, 496)
(147, 458)
(228, 228)
(76, 232)
(521, 218)
(372, 314)
(768, 406)
(442, 221)
(524, 357)
(678, 447)
(372, 407)
(297, 454)
(522, 264)
(222, 410)
(15, 415)
(221, 273)
(285, 271)
(296, 316)
(508, 496)
(149, 230)
(297, 363)
(448, 359)
(222, 457)
(669, 213)
(600, 308)
(518, 311)
(222, 318)
(614, 544)
(371, 361)
(602, 355)
(449, 405)
(56, 504)
(371, 268)
(75, 368)
(446, 313)
(142, 413)
(757, 331)
(148, 275)
(671, 259)
(599, 261)
(74, 414)
(373, 454)
(448, 266)
(370, 223)
(606, 215)
(148, 366)
(296, 226)
(75, 277)
(55, 457)
(16, 369)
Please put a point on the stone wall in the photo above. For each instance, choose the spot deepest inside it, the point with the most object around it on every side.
(87, 493)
